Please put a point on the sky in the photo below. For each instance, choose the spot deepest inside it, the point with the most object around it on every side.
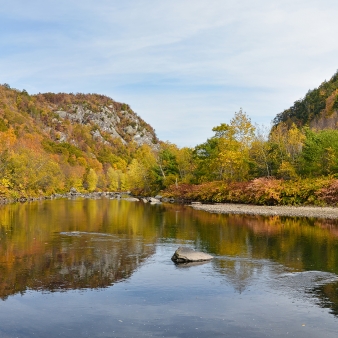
(184, 66)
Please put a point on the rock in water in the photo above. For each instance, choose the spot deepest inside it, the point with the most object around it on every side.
(182, 255)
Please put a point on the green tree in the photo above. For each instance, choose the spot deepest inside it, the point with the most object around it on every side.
(319, 153)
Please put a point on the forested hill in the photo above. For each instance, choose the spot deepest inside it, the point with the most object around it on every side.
(53, 113)
(318, 109)
(51, 142)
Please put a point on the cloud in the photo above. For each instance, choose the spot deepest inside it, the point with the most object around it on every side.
(184, 66)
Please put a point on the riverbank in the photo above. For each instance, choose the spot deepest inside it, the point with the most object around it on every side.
(303, 211)
(73, 193)
(319, 191)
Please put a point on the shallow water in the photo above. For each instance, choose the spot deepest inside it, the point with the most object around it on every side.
(102, 268)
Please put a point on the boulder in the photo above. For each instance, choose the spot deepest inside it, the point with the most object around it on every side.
(73, 191)
(153, 200)
(183, 255)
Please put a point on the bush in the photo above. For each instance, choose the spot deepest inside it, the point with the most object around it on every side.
(261, 191)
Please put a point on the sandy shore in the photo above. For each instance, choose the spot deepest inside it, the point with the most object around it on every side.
(317, 212)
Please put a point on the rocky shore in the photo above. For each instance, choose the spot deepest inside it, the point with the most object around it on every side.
(74, 193)
(303, 211)
(220, 208)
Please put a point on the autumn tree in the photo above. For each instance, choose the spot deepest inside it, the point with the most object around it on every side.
(226, 155)
(185, 164)
(140, 174)
(285, 149)
(260, 153)
(116, 179)
(91, 180)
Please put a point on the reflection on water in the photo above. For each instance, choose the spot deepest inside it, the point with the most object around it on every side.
(86, 245)
(71, 245)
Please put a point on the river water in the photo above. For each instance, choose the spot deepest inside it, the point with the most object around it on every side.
(102, 268)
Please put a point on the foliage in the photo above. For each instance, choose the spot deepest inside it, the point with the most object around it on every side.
(320, 153)
(42, 152)
(260, 191)
(91, 180)
(323, 99)
(226, 155)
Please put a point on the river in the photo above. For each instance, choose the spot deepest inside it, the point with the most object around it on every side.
(102, 268)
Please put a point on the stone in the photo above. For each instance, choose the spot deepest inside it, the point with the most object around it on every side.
(73, 191)
(153, 200)
(183, 255)
(185, 265)
(131, 199)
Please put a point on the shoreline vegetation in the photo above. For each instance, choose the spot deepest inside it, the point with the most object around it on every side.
(321, 192)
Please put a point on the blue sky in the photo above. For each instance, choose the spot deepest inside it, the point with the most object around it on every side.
(184, 66)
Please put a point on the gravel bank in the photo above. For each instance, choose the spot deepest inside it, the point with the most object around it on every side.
(317, 212)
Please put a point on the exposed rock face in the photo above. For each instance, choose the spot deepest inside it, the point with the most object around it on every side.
(111, 121)
(183, 255)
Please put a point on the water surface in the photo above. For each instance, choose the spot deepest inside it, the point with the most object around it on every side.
(102, 268)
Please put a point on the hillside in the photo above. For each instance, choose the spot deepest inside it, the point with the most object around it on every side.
(318, 109)
(51, 142)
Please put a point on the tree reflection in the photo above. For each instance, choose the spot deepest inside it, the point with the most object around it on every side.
(61, 245)
(328, 296)
(103, 243)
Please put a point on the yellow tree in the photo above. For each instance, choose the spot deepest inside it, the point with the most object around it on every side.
(260, 152)
(33, 171)
(116, 179)
(92, 179)
(286, 146)
(140, 173)
(234, 144)
(186, 164)
(7, 140)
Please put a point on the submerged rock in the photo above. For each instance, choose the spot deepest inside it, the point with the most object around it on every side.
(186, 265)
(131, 199)
(183, 255)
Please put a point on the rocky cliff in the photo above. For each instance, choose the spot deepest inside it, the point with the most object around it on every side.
(103, 115)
